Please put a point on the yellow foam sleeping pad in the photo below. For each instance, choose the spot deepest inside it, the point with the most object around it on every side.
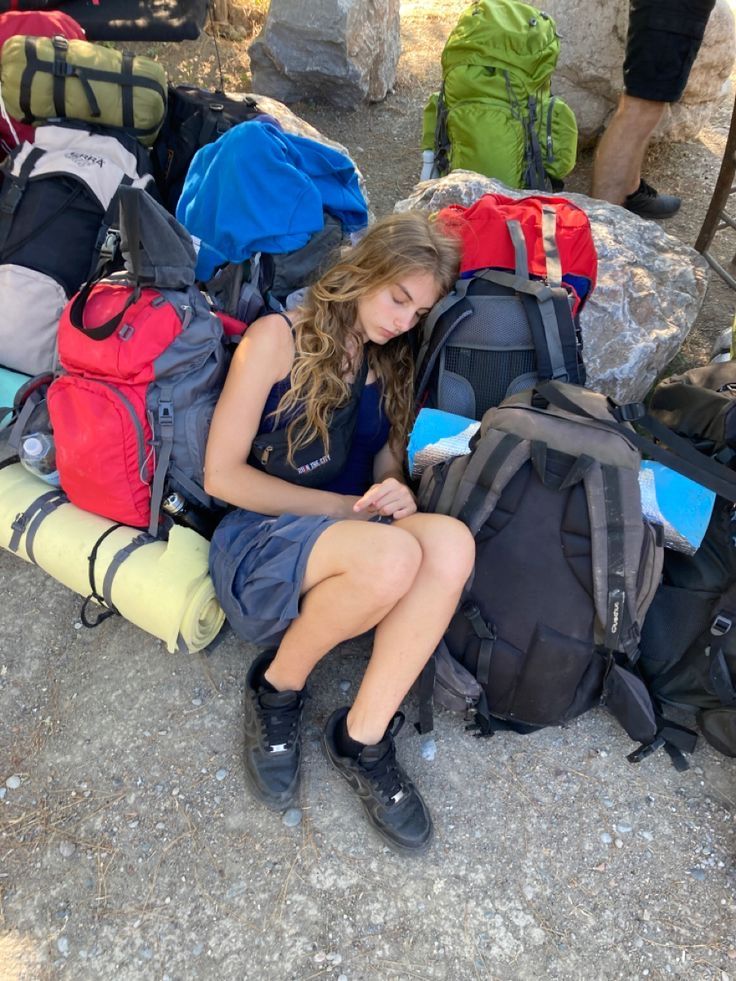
(53, 78)
(162, 587)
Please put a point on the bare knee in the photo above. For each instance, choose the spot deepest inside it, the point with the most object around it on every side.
(389, 570)
(639, 116)
(448, 549)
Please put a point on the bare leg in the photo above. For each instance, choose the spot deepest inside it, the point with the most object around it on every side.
(620, 153)
(405, 578)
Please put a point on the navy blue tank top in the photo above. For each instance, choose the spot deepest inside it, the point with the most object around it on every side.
(371, 432)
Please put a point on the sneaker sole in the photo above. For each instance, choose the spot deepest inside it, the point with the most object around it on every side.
(392, 843)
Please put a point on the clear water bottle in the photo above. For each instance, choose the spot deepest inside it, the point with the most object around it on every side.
(38, 455)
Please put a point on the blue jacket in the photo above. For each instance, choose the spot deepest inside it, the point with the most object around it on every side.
(258, 189)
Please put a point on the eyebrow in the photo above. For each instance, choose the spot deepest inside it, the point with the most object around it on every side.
(406, 292)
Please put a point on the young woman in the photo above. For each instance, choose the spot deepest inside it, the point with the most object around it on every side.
(299, 569)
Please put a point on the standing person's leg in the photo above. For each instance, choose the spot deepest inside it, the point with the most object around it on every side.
(621, 150)
(664, 37)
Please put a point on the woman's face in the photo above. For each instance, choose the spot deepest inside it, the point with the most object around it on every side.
(394, 309)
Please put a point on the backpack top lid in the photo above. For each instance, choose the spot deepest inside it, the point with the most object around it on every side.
(487, 243)
(504, 34)
(156, 247)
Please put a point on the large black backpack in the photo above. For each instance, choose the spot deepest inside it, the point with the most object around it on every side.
(194, 118)
(689, 638)
(566, 564)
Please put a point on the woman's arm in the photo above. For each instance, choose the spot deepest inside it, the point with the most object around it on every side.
(264, 356)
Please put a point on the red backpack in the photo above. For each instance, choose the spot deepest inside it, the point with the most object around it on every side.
(528, 266)
(144, 359)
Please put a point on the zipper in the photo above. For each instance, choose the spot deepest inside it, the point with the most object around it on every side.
(550, 147)
(266, 453)
(140, 441)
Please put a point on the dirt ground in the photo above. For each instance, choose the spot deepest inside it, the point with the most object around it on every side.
(129, 848)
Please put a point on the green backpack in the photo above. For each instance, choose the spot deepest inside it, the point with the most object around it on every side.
(494, 113)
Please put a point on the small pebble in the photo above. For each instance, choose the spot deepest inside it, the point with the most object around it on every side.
(698, 874)
(160, 826)
(345, 685)
(606, 838)
(67, 848)
(428, 748)
(320, 957)
(221, 774)
(292, 817)
(342, 977)
(146, 953)
(618, 843)
(12, 783)
(647, 835)
(77, 624)
(197, 701)
(335, 959)
(63, 945)
(607, 802)
(3, 792)
(197, 949)
(623, 829)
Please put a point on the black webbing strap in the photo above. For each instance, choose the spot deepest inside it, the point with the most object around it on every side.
(676, 740)
(486, 634)
(33, 64)
(41, 506)
(14, 186)
(165, 445)
(534, 156)
(617, 616)
(36, 520)
(93, 595)
(441, 136)
(682, 455)
(127, 81)
(476, 501)
(60, 70)
(117, 561)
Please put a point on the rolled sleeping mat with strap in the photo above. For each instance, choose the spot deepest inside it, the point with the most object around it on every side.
(10, 382)
(162, 587)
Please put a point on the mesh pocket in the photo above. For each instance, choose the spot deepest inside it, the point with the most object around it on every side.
(489, 373)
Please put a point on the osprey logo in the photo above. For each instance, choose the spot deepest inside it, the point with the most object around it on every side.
(615, 616)
(85, 159)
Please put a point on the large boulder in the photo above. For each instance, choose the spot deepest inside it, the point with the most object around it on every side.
(589, 73)
(343, 52)
(650, 286)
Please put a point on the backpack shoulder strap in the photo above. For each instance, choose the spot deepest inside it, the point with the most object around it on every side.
(14, 186)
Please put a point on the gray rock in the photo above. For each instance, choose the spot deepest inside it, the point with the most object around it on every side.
(589, 72)
(649, 291)
(67, 848)
(12, 783)
(62, 945)
(221, 774)
(606, 838)
(343, 52)
(292, 818)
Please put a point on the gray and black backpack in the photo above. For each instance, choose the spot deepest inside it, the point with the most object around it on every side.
(566, 568)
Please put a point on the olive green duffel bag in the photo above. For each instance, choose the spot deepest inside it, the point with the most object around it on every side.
(53, 78)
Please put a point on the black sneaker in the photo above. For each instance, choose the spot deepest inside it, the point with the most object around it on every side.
(647, 203)
(272, 739)
(392, 803)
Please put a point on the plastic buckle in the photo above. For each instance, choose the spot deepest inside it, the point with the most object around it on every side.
(630, 411)
(165, 414)
(20, 522)
(721, 625)
(110, 246)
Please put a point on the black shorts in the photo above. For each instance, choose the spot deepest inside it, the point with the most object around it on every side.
(664, 38)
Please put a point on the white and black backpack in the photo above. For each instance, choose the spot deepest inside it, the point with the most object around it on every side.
(58, 198)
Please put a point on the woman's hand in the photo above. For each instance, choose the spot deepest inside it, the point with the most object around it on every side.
(390, 498)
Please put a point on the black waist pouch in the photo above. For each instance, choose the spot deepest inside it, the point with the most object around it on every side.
(313, 466)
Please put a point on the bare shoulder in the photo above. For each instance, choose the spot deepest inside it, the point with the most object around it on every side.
(267, 346)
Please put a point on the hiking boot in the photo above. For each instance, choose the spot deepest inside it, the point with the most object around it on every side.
(392, 803)
(272, 739)
(647, 203)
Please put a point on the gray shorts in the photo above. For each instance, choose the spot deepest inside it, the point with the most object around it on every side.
(257, 564)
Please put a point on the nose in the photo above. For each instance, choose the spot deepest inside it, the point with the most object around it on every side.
(405, 321)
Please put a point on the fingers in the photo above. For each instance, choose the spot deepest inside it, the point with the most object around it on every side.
(390, 498)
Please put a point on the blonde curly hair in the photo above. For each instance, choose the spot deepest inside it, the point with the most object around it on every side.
(327, 343)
